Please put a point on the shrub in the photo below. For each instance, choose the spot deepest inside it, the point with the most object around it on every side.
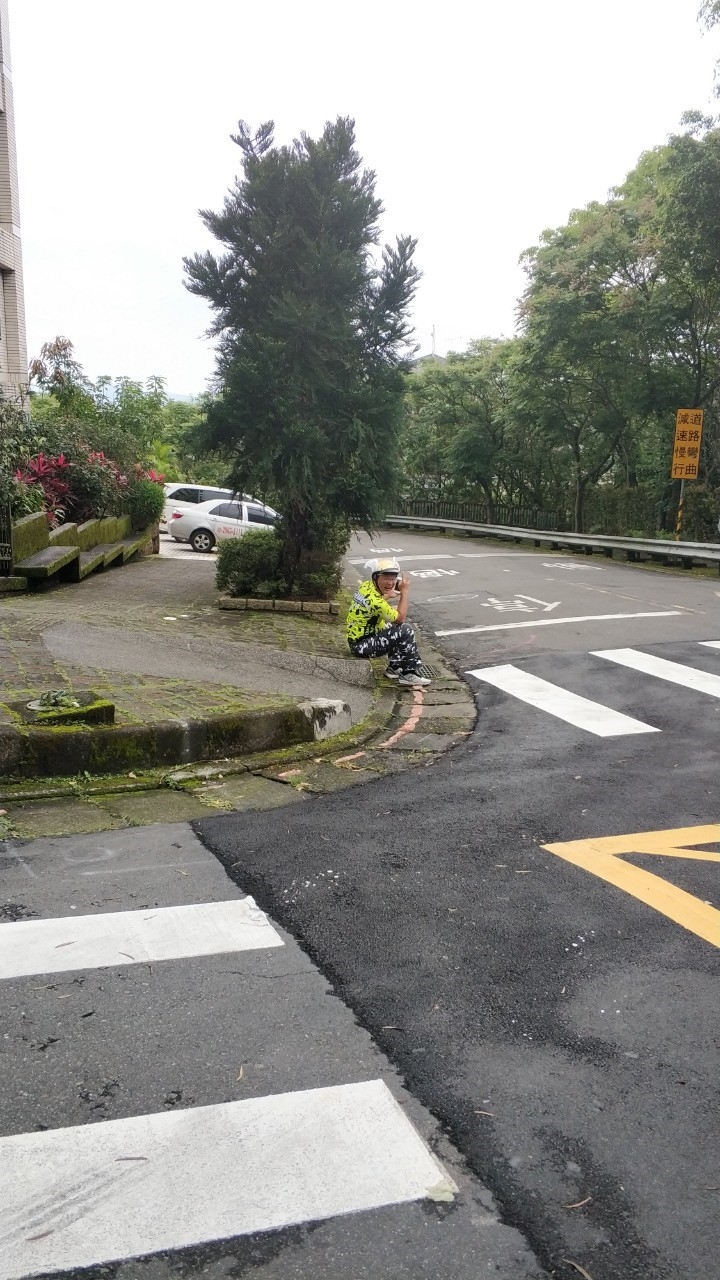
(146, 499)
(319, 570)
(250, 566)
(24, 499)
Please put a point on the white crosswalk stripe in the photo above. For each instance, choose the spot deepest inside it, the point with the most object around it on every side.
(582, 712)
(102, 1192)
(595, 717)
(115, 1189)
(675, 672)
(133, 937)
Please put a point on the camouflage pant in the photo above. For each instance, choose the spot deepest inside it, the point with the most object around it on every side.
(396, 641)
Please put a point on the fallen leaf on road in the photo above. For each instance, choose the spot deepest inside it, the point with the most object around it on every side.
(127, 953)
(182, 873)
(484, 1113)
(241, 1073)
(119, 1159)
(577, 1267)
(442, 1192)
(66, 944)
(523, 873)
(579, 1204)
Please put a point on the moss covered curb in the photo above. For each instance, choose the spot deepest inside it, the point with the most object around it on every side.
(69, 751)
(85, 783)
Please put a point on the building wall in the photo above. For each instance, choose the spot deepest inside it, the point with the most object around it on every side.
(13, 347)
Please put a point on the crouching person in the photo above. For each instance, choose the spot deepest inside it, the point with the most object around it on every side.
(376, 629)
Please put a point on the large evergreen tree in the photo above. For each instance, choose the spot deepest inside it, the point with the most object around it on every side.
(312, 334)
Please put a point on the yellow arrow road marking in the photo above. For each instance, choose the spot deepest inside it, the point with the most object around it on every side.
(602, 858)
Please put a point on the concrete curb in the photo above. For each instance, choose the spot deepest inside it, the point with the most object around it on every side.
(317, 607)
(66, 751)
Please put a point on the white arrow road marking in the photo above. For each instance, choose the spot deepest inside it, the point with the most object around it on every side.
(546, 607)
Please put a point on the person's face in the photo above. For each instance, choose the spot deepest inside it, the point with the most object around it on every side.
(386, 583)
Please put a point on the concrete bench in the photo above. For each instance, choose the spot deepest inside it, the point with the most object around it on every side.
(51, 560)
(91, 560)
(132, 545)
(110, 552)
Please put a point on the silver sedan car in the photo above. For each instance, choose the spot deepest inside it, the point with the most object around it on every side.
(208, 523)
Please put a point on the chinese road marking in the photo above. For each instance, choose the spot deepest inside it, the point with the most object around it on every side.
(553, 622)
(584, 714)
(433, 573)
(711, 644)
(518, 603)
(675, 672)
(603, 858)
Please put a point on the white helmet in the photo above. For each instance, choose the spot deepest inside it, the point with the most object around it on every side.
(382, 566)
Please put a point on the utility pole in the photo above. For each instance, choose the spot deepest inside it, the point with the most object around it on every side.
(13, 349)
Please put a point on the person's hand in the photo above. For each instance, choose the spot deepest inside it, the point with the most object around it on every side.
(402, 584)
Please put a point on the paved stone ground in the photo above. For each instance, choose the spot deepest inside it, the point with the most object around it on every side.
(150, 636)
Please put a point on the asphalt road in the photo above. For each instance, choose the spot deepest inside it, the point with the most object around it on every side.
(562, 1028)
(545, 1016)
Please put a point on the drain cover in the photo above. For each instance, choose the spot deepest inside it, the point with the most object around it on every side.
(428, 671)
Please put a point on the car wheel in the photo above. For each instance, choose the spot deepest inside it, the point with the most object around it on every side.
(202, 540)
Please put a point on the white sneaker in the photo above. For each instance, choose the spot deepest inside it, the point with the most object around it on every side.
(414, 680)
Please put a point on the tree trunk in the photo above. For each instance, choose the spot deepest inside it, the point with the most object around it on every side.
(579, 514)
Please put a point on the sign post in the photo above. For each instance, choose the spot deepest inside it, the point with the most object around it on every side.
(686, 453)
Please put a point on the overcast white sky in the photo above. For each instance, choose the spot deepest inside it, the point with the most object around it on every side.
(485, 122)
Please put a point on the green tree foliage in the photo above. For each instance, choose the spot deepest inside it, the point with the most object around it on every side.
(619, 327)
(311, 335)
(120, 417)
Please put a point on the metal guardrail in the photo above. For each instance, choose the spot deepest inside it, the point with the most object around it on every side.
(520, 517)
(660, 549)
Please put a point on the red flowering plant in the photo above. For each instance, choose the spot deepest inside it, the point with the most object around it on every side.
(51, 475)
(98, 486)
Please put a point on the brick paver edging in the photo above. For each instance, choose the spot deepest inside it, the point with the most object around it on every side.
(240, 603)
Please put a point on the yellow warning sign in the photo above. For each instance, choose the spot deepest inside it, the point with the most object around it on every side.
(603, 857)
(686, 446)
